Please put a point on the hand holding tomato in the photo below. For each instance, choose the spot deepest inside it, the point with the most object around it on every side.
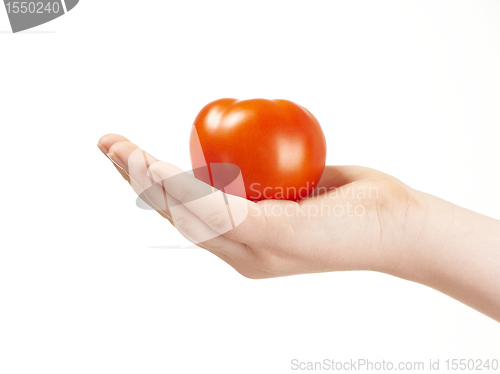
(356, 219)
(336, 228)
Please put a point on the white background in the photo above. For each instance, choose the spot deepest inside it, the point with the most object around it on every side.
(87, 284)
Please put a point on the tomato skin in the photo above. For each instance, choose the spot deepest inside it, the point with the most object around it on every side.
(278, 145)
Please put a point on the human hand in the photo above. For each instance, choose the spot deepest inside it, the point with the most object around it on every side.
(355, 219)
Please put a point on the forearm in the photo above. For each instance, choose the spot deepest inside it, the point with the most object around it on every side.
(455, 251)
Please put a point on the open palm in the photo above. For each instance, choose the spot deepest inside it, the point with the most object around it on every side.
(355, 218)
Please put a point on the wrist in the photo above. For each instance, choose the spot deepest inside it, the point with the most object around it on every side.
(453, 250)
(408, 212)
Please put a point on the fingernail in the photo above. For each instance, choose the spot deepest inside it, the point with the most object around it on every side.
(116, 160)
(103, 149)
(155, 177)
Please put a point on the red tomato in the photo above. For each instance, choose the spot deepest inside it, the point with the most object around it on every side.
(278, 146)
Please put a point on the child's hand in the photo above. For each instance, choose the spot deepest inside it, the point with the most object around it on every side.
(357, 219)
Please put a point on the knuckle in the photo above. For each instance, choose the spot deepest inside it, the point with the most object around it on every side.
(218, 221)
(182, 193)
(183, 225)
